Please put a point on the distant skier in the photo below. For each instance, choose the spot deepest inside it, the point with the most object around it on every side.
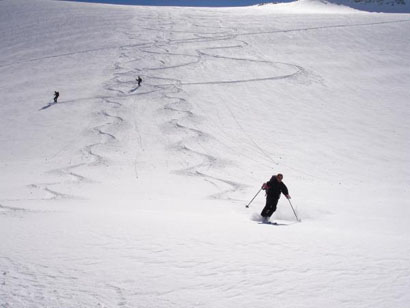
(139, 80)
(56, 95)
(274, 187)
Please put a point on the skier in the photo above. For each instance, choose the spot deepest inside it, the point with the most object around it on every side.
(139, 80)
(56, 95)
(274, 187)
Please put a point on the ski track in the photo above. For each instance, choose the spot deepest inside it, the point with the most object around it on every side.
(122, 85)
(180, 120)
(226, 40)
(6, 210)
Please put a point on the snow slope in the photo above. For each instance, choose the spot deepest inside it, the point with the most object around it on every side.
(119, 196)
(386, 6)
(339, 6)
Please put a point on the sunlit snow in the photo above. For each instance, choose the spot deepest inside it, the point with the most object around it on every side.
(127, 196)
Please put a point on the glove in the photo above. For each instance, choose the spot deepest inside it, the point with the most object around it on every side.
(265, 186)
(288, 196)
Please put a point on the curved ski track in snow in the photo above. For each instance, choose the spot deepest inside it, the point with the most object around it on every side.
(180, 109)
(181, 117)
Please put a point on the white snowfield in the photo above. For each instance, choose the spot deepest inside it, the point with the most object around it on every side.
(127, 196)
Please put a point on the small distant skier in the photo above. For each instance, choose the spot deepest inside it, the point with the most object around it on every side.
(139, 80)
(274, 187)
(56, 95)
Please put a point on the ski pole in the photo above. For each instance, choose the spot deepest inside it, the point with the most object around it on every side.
(297, 218)
(254, 197)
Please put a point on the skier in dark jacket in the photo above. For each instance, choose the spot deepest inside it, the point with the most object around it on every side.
(56, 95)
(274, 187)
(139, 80)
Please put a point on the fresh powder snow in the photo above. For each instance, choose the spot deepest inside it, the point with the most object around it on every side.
(121, 195)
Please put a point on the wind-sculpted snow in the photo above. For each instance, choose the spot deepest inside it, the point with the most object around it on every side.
(340, 6)
(127, 195)
(386, 6)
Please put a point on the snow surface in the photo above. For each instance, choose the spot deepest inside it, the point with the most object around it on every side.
(340, 6)
(119, 196)
(386, 6)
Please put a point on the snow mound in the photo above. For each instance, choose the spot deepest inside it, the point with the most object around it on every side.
(308, 7)
(386, 6)
(340, 6)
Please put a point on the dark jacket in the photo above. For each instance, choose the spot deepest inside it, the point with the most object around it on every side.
(274, 188)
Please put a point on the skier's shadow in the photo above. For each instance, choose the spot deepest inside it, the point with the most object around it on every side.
(48, 106)
(135, 89)
(274, 223)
